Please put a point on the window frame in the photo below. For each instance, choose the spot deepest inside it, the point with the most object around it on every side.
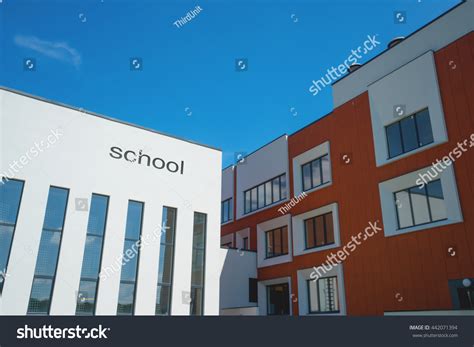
(308, 286)
(281, 196)
(4, 180)
(135, 282)
(89, 279)
(268, 288)
(324, 216)
(310, 164)
(414, 115)
(273, 241)
(203, 286)
(412, 214)
(230, 209)
(53, 277)
(173, 245)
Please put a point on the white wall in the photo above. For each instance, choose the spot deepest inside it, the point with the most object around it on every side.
(414, 87)
(227, 183)
(262, 165)
(80, 161)
(237, 267)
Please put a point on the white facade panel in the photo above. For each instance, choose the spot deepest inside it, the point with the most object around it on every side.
(262, 165)
(81, 161)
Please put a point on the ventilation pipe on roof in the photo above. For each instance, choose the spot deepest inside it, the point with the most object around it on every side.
(395, 41)
(354, 67)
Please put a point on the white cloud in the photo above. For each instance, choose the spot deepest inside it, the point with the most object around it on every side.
(56, 50)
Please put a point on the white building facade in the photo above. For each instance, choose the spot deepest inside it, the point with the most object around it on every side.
(98, 217)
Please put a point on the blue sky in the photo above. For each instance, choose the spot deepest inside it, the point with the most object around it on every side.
(188, 85)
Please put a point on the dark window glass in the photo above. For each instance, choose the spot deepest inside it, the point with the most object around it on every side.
(323, 295)
(316, 172)
(416, 206)
(10, 196)
(423, 124)
(278, 301)
(131, 252)
(245, 241)
(394, 139)
(409, 133)
(198, 264)
(86, 296)
(276, 242)
(226, 210)
(40, 298)
(265, 194)
(253, 290)
(48, 252)
(319, 231)
(166, 262)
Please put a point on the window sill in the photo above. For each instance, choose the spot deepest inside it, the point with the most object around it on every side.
(421, 227)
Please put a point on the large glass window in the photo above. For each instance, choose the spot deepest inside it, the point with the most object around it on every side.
(131, 249)
(165, 267)
(278, 299)
(198, 264)
(323, 295)
(86, 296)
(319, 231)
(10, 197)
(276, 242)
(417, 205)
(265, 194)
(316, 172)
(226, 210)
(409, 133)
(48, 253)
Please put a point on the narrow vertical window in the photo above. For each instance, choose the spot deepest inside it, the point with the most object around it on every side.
(198, 264)
(131, 252)
(165, 267)
(47, 260)
(10, 197)
(91, 263)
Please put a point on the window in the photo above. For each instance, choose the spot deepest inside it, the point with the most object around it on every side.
(226, 211)
(416, 206)
(409, 133)
(278, 301)
(198, 264)
(10, 198)
(245, 242)
(131, 249)
(46, 263)
(319, 231)
(276, 242)
(462, 293)
(323, 295)
(165, 267)
(315, 173)
(253, 290)
(265, 194)
(91, 263)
